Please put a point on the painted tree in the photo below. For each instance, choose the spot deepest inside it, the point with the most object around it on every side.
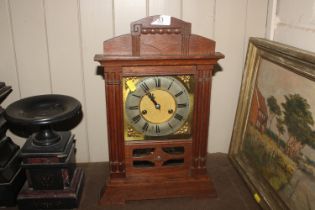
(298, 120)
(312, 141)
(274, 108)
(280, 128)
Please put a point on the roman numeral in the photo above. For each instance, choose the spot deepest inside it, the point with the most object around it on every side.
(144, 87)
(157, 129)
(157, 82)
(179, 93)
(134, 95)
(170, 85)
(182, 105)
(145, 126)
(178, 117)
(170, 125)
(136, 118)
(133, 107)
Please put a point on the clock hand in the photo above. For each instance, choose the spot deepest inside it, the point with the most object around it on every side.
(152, 98)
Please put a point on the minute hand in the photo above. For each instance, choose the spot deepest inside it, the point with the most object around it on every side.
(152, 98)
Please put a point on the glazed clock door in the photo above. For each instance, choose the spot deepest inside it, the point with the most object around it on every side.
(157, 106)
(158, 122)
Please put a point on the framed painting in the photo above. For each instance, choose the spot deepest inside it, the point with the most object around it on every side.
(273, 141)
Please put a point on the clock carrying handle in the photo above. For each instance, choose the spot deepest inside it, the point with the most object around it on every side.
(144, 27)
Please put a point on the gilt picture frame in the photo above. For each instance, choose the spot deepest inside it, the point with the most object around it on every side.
(273, 140)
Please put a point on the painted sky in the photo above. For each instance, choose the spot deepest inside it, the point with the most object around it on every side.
(278, 81)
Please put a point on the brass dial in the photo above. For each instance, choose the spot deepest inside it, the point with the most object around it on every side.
(157, 106)
(162, 111)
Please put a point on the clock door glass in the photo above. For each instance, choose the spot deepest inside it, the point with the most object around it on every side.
(156, 107)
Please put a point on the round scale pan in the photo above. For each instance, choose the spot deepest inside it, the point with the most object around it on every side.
(42, 109)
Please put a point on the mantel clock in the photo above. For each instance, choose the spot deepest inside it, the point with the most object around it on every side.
(158, 84)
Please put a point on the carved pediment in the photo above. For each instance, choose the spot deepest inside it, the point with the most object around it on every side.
(149, 39)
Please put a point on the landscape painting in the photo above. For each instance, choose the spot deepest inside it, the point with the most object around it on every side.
(279, 136)
(273, 140)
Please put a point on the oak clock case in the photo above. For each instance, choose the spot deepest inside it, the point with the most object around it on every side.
(157, 107)
(157, 84)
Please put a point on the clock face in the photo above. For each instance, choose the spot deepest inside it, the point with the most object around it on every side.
(157, 106)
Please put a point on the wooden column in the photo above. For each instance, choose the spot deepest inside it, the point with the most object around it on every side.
(201, 120)
(115, 121)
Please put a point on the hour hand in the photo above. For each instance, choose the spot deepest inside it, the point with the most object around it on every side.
(152, 98)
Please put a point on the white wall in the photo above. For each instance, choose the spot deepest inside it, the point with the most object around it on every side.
(294, 23)
(47, 46)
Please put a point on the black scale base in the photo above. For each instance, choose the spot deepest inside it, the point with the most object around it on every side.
(12, 177)
(54, 182)
(53, 199)
(9, 190)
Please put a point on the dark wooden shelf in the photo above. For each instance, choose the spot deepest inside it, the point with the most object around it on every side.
(231, 190)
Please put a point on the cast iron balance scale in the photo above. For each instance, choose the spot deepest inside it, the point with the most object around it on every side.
(158, 85)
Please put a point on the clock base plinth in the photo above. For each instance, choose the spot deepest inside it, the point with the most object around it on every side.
(129, 189)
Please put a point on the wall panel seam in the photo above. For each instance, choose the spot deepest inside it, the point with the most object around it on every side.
(85, 115)
(113, 18)
(296, 26)
(14, 46)
(181, 9)
(47, 46)
(214, 18)
(267, 15)
(147, 8)
(245, 32)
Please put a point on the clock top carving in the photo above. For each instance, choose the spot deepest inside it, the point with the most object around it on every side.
(158, 88)
(159, 41)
